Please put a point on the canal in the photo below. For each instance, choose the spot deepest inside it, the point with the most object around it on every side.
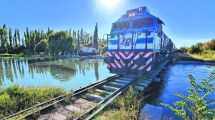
(175, 80)
(70, 74)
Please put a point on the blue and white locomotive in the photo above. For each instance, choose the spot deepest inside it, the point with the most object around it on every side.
(137, 43)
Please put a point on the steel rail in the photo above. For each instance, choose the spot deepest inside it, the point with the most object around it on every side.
(101, 105)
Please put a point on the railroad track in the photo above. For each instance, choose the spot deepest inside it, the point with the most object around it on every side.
(83, 103)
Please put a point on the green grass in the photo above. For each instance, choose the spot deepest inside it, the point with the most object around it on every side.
(126, 107)
(207, 56)
(15, 98)
(204, 56)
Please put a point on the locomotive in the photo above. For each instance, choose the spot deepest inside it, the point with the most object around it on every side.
(137, 43)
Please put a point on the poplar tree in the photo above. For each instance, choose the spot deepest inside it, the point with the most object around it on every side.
(95, 38)
(18, 37)
(15, 39)
(78, 41)
(81, 36)
(10, 38)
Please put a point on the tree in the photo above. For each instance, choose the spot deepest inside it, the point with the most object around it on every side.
(210, 45)
(10, 38)
(81, 37)
(18, 37)
(15, 39)
(196, 105)
(41, 46)
(60, 42)
(70, 31)
(95, 38)
(3, 37)
(198, 48)
(78, 41)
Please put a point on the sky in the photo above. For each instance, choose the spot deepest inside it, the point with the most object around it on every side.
(186, 21)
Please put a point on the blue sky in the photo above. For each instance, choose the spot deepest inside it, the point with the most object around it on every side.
(186, 21)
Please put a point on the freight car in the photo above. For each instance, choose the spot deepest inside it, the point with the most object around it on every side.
(137, 43)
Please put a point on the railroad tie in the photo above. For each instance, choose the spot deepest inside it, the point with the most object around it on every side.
(127, 79)
(109, 88)
(102, 91)
(143, 84)
(116, 84)
(93, 97)
(122, 81)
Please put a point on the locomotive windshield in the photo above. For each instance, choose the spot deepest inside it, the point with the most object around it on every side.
(121, 25)
(142, 23)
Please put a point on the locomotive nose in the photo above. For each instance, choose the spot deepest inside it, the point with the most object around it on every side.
(140, 61)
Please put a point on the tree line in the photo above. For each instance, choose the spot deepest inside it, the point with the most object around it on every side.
(47, 42)
(199, 48)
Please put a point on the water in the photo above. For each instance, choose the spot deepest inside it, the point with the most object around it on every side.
(176, 81)
(69, 74)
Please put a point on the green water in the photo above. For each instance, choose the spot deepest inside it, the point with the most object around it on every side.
(69, 74)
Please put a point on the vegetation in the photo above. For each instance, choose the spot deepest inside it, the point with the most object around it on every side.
(201, 51)
(197, 105)
(60, 42)
(126, 107)
(198, 48)
(34, 41)
(95, 38)
(41, 47)
(15, 98)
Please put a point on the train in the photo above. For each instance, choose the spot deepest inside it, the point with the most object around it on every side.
(137, 43)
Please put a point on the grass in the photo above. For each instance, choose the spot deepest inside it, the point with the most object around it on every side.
(15, 98)
(126, 107)
(204, 56)
(10, 55)
(93, 91)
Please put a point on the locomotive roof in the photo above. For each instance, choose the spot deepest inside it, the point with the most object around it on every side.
(138, 13)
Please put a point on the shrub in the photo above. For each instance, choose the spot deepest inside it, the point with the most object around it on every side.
(7, 105)
(196, 105)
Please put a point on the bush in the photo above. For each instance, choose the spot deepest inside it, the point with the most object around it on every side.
(15, 98)
(7, 105)
(196, 106)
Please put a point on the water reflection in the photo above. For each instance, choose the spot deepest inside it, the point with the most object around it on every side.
(24, 71)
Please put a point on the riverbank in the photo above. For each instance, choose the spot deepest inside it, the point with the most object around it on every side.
(204, 57)
(50, 57)
(15, 98)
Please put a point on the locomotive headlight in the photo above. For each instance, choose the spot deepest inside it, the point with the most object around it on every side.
(133, 14)
(129, 15)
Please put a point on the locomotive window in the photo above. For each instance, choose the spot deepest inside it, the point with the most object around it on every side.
(121, 25)
(142, 22)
